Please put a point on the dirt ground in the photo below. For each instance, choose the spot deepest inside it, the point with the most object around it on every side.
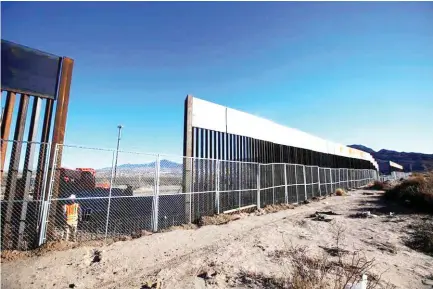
(247, 244)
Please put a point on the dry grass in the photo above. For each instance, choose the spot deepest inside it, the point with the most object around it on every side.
(379, 186)
(338, 269)
(11, 255)
(260, 280)
(416, 192)
(340, 192)
(217, 219)
(189, 226)
(277, 208)
(421, 238)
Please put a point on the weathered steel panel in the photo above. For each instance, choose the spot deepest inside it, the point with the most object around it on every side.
(29, 71)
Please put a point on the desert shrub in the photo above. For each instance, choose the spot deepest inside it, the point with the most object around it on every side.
(379, 186)
(338, 270)
(417, 192)
(421, 238)
(340, 192)
(259, 280)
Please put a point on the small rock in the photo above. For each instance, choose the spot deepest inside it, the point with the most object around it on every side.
(72, 285)
(146, 233)
(211, 273)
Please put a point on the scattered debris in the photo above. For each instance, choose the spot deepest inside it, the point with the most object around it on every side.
(365, 214)
(151, 284)
(427, 282)
(334, 251)
(146, 233)
(96, 256)
(207, 274)
(259, 246)
(386, 246)
(320, 217)
(328, 213)
(259, 280)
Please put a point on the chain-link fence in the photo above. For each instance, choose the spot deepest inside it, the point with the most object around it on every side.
(22, 184)
(394, 176)
(99, 194)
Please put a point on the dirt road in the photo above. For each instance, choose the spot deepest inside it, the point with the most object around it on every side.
(177, 257)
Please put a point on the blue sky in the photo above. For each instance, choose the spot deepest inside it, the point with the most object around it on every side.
(347, 72)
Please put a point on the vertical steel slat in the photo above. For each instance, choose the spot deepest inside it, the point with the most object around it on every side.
(6, 126)
(12, 178)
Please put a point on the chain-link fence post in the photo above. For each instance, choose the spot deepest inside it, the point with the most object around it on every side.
(305, 183)
(193, 178)
(217, 189)
(286, 195)
(239, 171)
(47, 201)
(347, 179)
(326, 181)
(318, 180)
(115, 154)
(339, 178)
(43, 193)
(296, 185)
(156, 195)
(258, 186)
(332, 184)
(273, 183)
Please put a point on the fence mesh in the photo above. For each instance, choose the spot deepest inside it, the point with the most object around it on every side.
(22, 187)
(95, 194)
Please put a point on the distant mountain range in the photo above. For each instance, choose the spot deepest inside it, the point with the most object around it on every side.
(418, 161)
(163, 164)
(414, 161)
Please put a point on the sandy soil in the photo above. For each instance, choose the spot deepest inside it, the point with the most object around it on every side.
(177, 257)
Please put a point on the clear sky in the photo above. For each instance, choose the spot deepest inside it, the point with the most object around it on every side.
(347, 72)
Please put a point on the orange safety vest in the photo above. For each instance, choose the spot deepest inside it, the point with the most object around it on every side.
(72, 213)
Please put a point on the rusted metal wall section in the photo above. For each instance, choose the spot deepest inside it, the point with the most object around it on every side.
(34, 77)
(232, 136)
(276, 138)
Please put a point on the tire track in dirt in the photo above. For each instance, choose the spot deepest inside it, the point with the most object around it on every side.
(134, 278)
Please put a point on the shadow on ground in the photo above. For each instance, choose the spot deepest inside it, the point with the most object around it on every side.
(378, 205)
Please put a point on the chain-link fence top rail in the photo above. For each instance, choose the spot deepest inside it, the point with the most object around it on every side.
(121, 193)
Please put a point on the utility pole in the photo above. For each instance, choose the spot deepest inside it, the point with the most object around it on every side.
(119, 136)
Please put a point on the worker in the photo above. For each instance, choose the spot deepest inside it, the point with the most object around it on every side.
(72, 213)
